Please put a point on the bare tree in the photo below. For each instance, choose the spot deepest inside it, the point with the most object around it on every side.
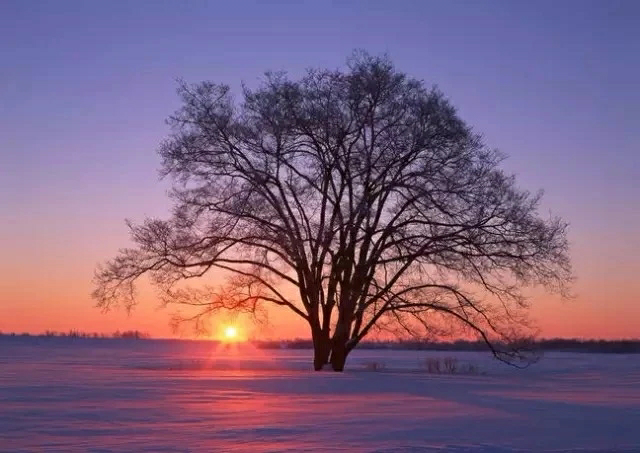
(356, 199)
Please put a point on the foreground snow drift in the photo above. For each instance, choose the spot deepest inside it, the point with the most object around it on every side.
(160, 396)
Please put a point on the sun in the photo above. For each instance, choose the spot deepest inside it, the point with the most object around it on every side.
(230, 333)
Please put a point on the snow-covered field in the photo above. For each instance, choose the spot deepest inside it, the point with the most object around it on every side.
(171, 396)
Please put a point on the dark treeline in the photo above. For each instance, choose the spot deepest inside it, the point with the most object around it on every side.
(614, 346)
(128, 334)
(554, 344)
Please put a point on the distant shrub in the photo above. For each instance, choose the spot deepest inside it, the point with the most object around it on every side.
(472, 369)
(432, 365)
(449, 365)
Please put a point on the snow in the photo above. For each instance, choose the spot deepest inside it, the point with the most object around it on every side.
(60, 394)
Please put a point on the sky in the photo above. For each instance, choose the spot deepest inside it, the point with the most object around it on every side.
(85, 88)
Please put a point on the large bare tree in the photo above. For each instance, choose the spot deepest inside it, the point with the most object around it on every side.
(358, 199)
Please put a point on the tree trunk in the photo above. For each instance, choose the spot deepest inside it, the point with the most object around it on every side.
(339, 350)
(321, 350)
(338, 354)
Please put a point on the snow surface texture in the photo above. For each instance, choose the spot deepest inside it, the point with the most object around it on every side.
(67, 395)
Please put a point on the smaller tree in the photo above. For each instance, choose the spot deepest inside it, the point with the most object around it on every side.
(357, 199)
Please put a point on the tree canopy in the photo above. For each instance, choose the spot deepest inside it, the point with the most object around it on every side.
(356, 198)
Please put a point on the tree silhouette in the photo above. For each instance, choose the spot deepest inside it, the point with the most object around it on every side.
(363, 192)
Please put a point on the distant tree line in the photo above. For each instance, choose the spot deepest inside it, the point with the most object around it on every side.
(127, 334)
(554, 344)
(630, 346)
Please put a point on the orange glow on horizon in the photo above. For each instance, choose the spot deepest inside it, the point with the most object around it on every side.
(58, 300)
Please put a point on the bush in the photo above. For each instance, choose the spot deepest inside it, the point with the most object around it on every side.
(449, 365)
(432, 365)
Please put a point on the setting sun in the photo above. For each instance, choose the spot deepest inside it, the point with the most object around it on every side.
(230, 333)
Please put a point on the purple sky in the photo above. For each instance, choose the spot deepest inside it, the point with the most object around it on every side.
(85, 87)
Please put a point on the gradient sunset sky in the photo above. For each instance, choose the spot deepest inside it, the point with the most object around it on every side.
(85, 87)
